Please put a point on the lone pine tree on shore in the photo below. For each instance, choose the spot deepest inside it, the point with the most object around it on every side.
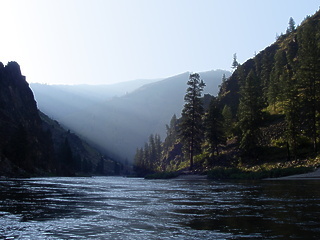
(191, 127)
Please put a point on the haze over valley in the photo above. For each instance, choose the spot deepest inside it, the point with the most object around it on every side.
(119, 118)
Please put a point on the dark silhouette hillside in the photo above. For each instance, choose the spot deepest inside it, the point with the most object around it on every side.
(31, 144)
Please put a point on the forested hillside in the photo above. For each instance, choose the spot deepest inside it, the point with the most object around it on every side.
(267, 111)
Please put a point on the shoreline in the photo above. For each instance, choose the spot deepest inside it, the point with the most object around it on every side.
(315, 175)
(191, 177)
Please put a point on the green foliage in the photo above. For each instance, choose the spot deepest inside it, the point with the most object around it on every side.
(191, 126)
(227, 120)
(172, 135)
(292, 26)
(308, 75)
(250, 114)
(148, 159)
(214, 127)
(279, 143)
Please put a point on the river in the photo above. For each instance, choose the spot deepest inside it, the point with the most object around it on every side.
(133, 208)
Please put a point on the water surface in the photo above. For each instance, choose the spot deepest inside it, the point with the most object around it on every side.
(127, 208)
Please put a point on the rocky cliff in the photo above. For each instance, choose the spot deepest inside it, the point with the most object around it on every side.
(32, 144)
(25, 148)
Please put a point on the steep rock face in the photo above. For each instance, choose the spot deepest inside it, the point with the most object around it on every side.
(24, 146)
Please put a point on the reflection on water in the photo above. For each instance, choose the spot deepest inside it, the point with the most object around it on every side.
(124, 208)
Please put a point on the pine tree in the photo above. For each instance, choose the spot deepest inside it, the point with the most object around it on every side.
(250, 114)
(158, 149)
(266, 68)
(276, 88)
(227, 120)
(309, 78)
(146, 157)
(292, 26)
(152, 152)
(292, 110)
(235, 63)
(214, 127)
(191, 127)
(172, 133)
(169, 142)
(139, 165)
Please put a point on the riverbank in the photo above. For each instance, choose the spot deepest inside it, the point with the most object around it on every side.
(306, 176)
(191, 177)
(261, 173)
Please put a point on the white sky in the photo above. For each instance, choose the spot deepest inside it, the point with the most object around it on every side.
(104, 41)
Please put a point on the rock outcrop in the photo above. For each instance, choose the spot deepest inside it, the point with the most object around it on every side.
(25, 148)
(32, 144)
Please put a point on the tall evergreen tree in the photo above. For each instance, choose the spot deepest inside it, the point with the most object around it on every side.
(235, 63)
(158, 149)
(227, 120)
(139, 164)
(309, 78)
(250, 114)
(292, 110)
(292, 25)
(191, 127)
(172, 133)
(146, 157)
(214, 127)
(169, 142)
(152, 151)
(276, 88)
(266, 68)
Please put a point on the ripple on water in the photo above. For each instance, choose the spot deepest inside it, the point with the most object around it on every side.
(123, 208)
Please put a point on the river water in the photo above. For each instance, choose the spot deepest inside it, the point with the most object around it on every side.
(133, 208)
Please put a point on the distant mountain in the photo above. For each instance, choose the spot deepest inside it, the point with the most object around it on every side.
(73, 98)
(121, 124)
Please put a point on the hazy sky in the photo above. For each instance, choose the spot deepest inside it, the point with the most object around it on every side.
(104, 41)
